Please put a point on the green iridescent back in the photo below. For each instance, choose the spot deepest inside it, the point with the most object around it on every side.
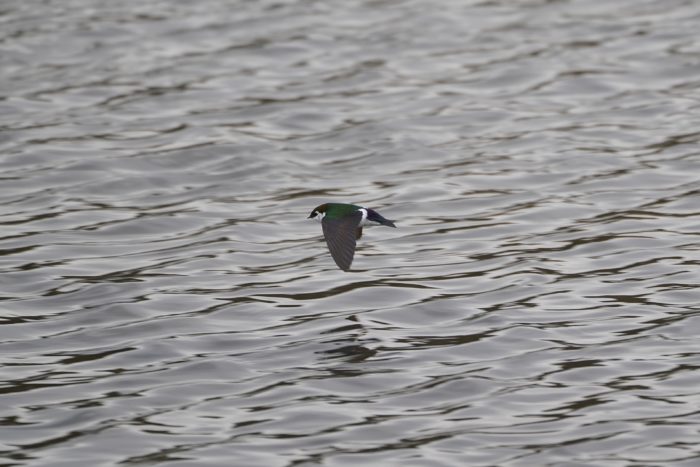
(338, 210)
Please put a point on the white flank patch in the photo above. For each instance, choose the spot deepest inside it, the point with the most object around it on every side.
(364, 222)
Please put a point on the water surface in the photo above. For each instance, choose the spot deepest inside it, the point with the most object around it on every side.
(165, 301)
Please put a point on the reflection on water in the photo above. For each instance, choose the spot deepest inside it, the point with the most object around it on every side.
(166, 302)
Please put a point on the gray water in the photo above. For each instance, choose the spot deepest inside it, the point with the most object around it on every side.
(166, 302)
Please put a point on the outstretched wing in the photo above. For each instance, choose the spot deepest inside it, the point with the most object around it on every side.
(340, 238)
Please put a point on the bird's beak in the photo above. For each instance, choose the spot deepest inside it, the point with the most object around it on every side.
(309, 217)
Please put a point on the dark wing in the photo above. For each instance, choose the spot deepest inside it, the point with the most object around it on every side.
(340, 237)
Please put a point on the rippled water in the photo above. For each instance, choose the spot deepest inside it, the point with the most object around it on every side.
(165, 301)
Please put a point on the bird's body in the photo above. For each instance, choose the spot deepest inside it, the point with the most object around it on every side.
(342, 227)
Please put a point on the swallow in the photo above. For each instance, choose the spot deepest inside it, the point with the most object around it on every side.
(342, 226)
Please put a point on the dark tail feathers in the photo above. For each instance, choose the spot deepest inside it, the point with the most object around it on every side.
(376, 217)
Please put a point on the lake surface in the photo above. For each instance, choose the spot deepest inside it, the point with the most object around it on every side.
(166, 302)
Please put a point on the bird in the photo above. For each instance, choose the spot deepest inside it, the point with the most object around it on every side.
(342, 227)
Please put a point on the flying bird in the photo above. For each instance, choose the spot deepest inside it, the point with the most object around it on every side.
(342, 227)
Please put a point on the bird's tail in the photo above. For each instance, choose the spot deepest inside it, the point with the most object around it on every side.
(374, 216)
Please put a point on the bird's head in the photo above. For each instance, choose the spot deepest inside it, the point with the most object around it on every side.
(318, 213)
